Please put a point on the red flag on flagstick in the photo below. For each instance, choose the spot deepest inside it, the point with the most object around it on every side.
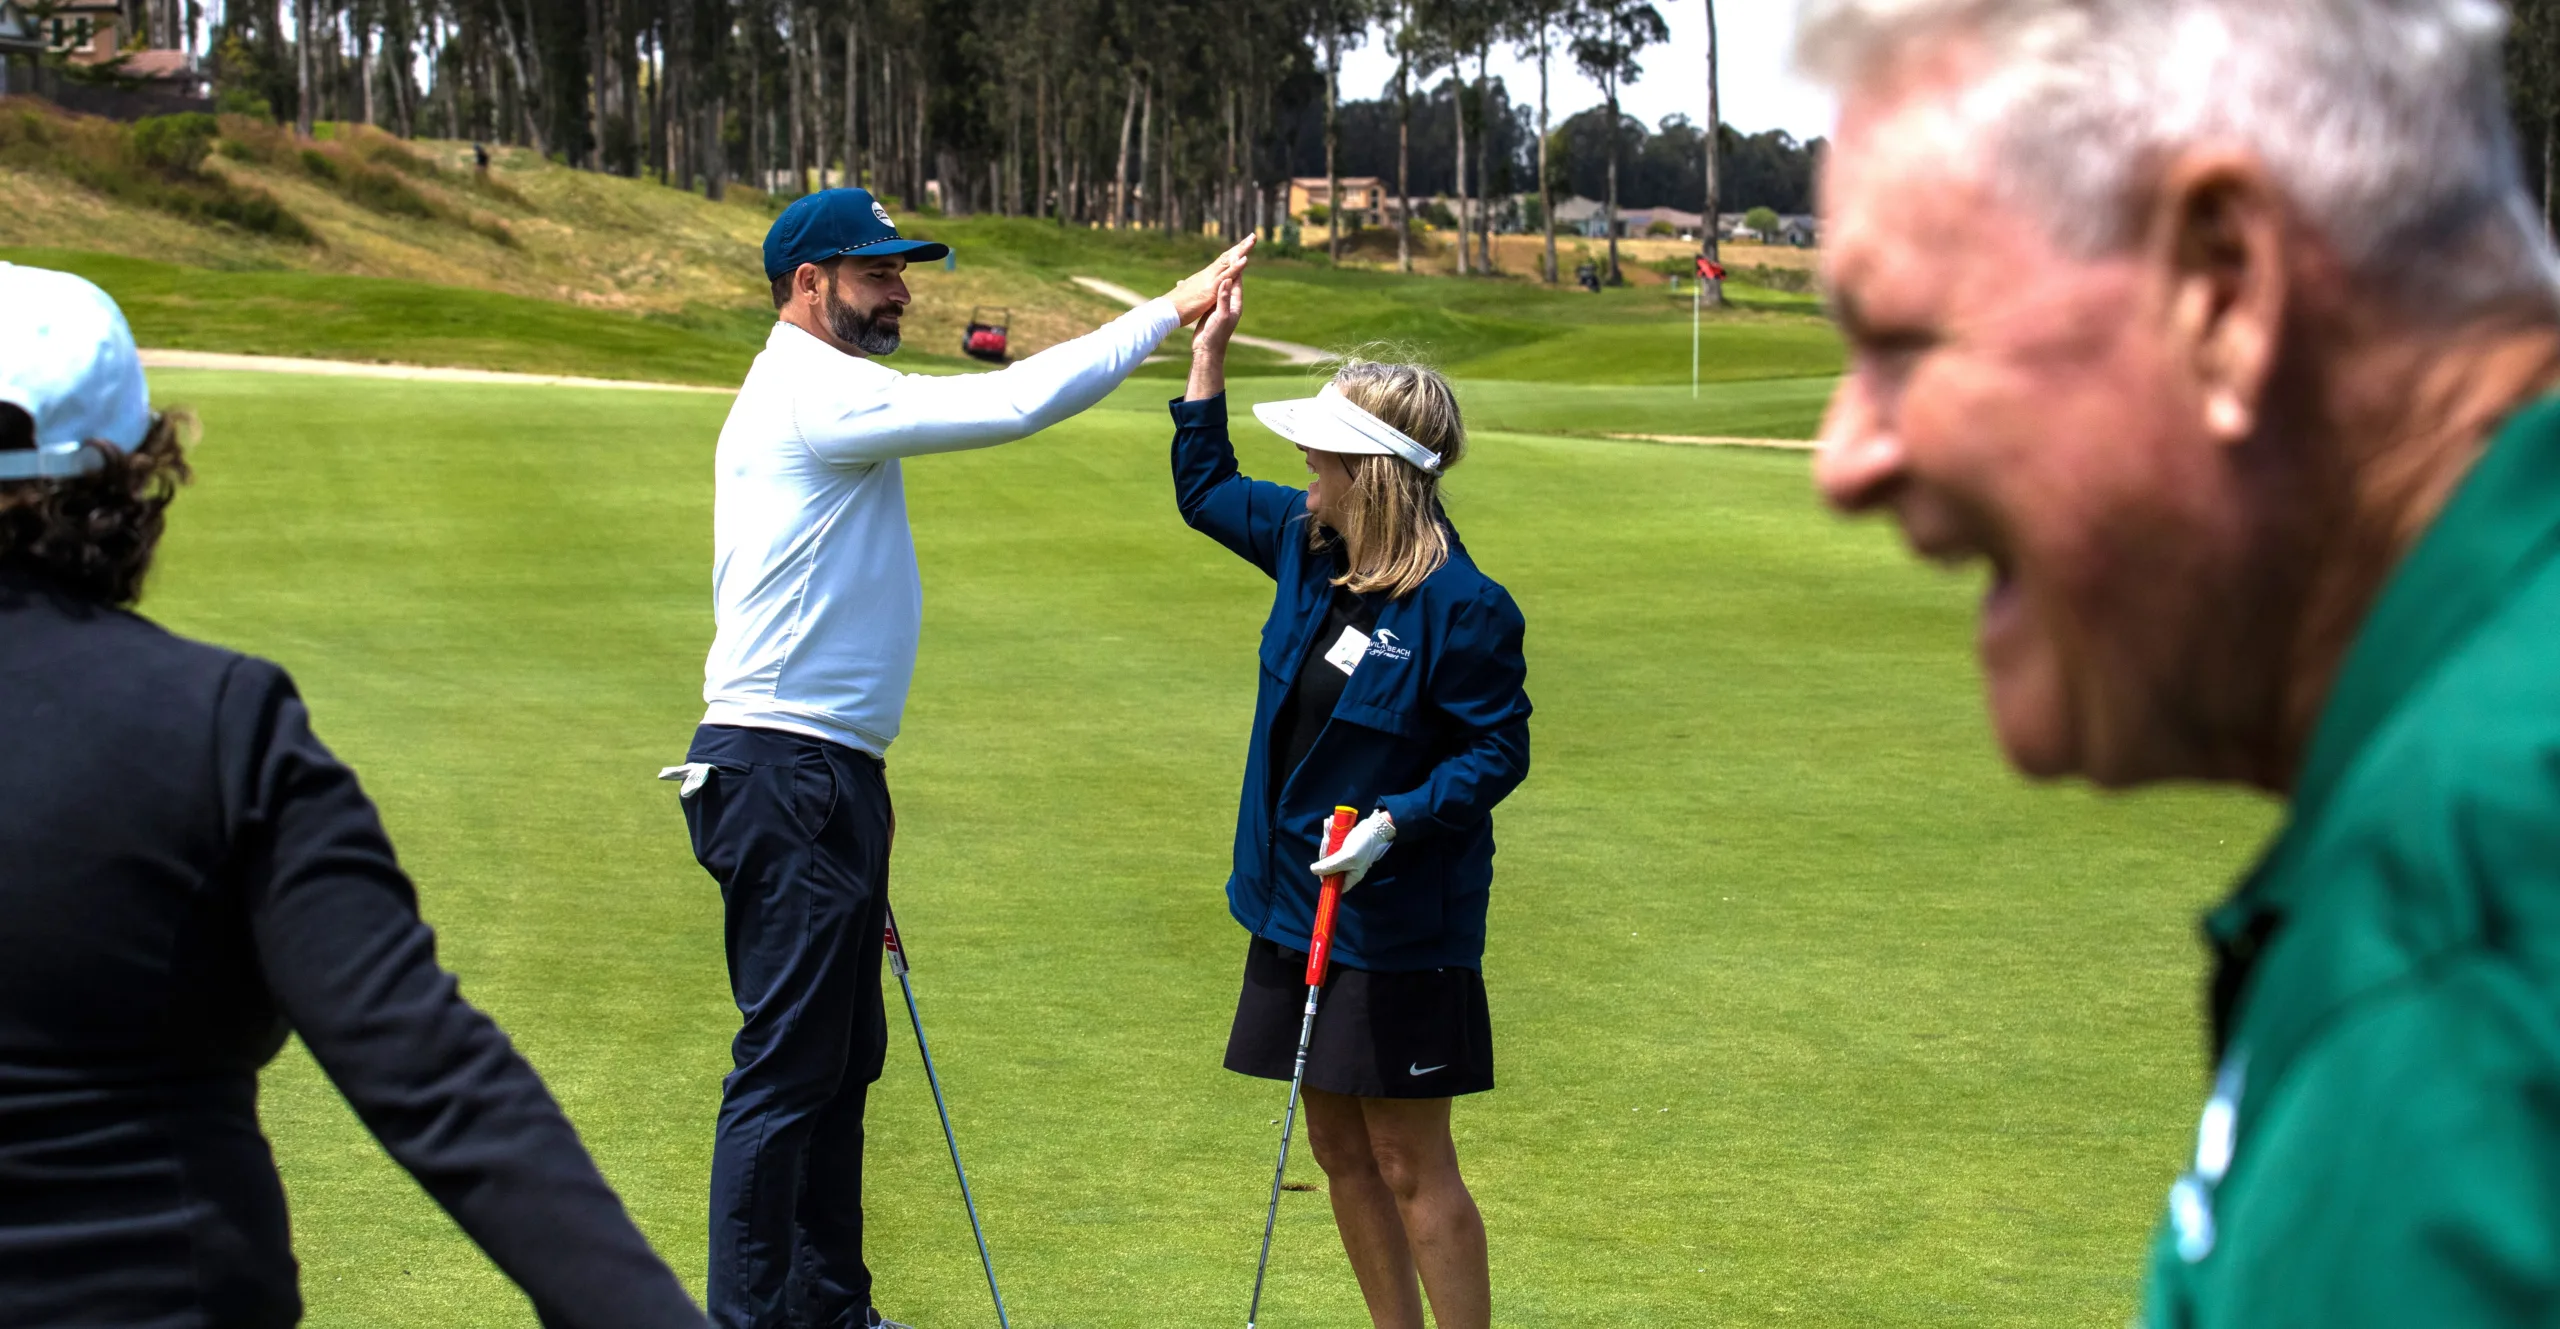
(1709, 269)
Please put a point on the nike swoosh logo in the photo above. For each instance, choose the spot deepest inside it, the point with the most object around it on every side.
(1425, 1070)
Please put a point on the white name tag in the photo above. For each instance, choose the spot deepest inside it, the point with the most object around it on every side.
(1347, 650)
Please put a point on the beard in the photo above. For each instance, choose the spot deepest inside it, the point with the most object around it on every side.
(860, 329)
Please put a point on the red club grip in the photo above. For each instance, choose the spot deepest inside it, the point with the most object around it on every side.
(1320, 945)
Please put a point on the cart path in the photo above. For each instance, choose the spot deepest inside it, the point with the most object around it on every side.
(1718, 441)
(285, 364)
(1296, 353)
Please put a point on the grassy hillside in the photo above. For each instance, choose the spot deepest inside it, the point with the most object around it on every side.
(358, 204)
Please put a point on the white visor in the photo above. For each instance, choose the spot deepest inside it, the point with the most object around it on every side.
(1331, 422)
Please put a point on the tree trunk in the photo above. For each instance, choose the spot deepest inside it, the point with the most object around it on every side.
(365, 64)
(1712, 291)
(525, 98)
(446, 77)
(1484, 158)
(1404, 163)
(821, 137)
(1332, 144)
(853, 70)
(1149, 204)
(853, 173)
(795, 71)
(658, 156)
(1041, 185)
(759, 136)
(1609, 93)
(1546, 194)
(1120, 174)
(1458, 110)
(715, 153)
(1168, 209)
(302, 67)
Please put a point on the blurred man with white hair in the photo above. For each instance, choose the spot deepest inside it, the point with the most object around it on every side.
(2222, 331)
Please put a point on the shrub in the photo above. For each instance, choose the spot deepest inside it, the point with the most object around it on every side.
(242, 101)
(176, 143)
(1661, 228)
(156, 162)
(1762, 219)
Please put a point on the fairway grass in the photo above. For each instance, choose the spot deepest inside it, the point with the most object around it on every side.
(1806, 1012)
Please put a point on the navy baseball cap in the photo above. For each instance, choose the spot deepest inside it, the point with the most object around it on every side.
(823, 225)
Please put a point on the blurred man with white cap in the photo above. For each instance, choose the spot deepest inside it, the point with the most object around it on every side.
(2226, 336)
(190, 877)
(1392, 682)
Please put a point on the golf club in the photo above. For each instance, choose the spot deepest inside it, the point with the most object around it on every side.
(898, 966)
(1319, 946)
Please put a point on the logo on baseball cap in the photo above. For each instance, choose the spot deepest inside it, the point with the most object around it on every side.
(67, 360)
(834, 222)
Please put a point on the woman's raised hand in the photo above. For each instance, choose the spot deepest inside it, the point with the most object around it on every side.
(1209, 340)
(1226, 308)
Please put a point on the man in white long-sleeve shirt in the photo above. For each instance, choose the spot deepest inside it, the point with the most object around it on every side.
(819, 606)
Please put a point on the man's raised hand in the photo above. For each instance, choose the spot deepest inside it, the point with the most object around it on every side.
(1193, 295)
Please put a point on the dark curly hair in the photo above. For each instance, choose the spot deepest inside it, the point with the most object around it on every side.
(92, 533)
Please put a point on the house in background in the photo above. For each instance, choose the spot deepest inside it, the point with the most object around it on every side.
(84, 32)
(90, 34)
(1800, 229)
(1362, 196)
(1635, 223)
(1586, 217)
(22, 44)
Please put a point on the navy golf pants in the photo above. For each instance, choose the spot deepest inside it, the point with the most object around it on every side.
(796, 830)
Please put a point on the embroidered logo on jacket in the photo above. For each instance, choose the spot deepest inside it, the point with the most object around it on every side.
(1384, 643)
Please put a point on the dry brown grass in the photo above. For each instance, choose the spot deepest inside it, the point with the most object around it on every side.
(1435, 251)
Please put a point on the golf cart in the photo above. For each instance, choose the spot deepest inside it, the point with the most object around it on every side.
(985, 339)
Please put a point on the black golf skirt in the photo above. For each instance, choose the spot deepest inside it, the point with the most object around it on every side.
(1424, 1034)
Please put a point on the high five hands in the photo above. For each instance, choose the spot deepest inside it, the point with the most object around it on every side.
(1195, 294)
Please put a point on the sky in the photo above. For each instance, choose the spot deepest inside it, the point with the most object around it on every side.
(1759, 91)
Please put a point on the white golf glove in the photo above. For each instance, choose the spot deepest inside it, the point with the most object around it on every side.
(1361, 849)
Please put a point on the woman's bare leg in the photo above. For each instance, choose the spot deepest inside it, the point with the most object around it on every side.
(1367, 1211)
(1411, 1152)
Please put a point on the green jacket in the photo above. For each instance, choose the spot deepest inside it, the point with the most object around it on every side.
(2382, 1146)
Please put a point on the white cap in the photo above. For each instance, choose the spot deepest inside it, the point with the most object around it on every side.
(67, 360)
(1331, 422)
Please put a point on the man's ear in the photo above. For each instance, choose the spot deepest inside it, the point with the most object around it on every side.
(807, 281)
(2220, 239)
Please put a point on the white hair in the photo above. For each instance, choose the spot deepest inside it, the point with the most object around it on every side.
(2385, 121)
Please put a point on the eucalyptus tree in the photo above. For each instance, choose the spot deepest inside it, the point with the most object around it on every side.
(1608, 35)
(1533, 25)
(1711, 287)
(1335, 25)
(1418, 50)
(1462, 28)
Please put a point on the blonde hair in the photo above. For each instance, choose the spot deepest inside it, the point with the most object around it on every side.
(1390, 518)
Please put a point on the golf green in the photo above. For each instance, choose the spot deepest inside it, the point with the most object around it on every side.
(1806, 1011)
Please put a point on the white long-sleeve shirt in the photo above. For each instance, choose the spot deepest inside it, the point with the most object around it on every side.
(814, 578)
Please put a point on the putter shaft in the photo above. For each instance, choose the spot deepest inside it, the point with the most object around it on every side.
(898, 966)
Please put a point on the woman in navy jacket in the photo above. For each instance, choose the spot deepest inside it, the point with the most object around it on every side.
(1392, 683)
